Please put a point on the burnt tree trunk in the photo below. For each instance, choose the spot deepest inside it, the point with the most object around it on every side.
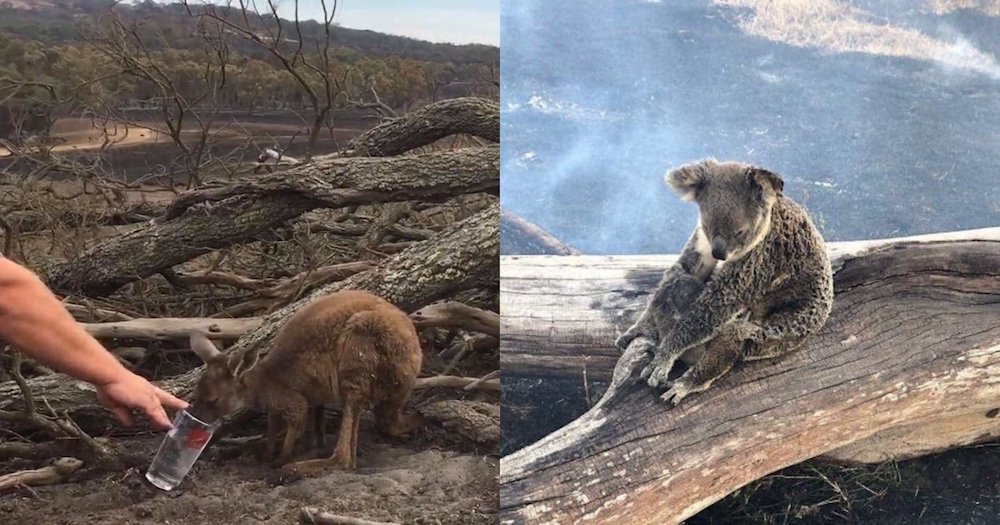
(908, 363)
(520, 236)
(470, 115)
(207, 219)
(461, 257)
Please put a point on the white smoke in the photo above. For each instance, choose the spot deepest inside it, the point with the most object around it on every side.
(838, 26)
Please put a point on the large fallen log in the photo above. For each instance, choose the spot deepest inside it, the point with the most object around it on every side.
(173, 328)
(462, 256)
(216, 217)
(470, 115)
(908, 363)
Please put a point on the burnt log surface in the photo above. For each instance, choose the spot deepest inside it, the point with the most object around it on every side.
(912, 347)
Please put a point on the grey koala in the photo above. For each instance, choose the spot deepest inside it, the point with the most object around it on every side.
(752, 282)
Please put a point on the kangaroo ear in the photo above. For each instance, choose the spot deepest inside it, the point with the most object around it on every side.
(205, 349)
(690, 179)
(766, 179)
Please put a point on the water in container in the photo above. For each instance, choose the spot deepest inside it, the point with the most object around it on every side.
(179, 450)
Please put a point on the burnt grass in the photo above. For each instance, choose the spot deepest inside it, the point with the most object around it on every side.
(874, 146)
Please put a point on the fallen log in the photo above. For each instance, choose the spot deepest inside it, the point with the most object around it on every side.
(461, 257)
(173, 328)
(207, 219)
(343, 182)
(475, 420)
(471, 115)
(912, 348)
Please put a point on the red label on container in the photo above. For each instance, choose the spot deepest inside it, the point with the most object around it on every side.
(197, 438)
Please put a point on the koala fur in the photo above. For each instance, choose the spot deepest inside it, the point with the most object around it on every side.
(752, 282)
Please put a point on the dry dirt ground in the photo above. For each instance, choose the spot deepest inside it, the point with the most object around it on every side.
(432, 476)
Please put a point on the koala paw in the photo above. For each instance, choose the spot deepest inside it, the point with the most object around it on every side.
(657, 371)
(677, 391)
(637, 330)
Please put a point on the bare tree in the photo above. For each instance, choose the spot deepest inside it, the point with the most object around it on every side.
(313, 69)
(188, 111)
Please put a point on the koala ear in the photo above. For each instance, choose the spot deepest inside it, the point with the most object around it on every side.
(766, 179)
(689, 179)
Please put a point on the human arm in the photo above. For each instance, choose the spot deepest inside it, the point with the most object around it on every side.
(33, 320)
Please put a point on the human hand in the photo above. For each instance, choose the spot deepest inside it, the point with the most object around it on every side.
(131, 391)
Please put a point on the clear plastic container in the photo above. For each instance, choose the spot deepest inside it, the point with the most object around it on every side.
(179, 450)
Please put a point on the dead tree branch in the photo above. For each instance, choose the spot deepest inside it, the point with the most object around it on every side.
(479, 117)
(243, 211)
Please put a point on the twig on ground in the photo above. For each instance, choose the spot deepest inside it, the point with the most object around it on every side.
(456, 382)
(58, 471)
(475, 384)
(318, 517)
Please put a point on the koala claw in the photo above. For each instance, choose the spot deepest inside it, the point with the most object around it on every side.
(656, 372)
(624, 339)
(676, 393)
(630, 335)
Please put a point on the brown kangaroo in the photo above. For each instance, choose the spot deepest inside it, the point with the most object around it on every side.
(350, 349)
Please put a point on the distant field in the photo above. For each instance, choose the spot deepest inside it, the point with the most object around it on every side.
(30, 4)
(134, 150)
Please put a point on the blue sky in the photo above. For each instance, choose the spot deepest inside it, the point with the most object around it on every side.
(455, 21)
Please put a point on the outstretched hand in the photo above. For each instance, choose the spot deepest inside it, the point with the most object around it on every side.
(131, 391)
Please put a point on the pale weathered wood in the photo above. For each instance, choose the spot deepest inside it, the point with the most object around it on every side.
(57, 472)
(318, 517)
(456, 382)
(924, 437)
(914, 336)
(453, 314)
(165, 328)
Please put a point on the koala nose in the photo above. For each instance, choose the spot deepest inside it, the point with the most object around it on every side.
(719, 249)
